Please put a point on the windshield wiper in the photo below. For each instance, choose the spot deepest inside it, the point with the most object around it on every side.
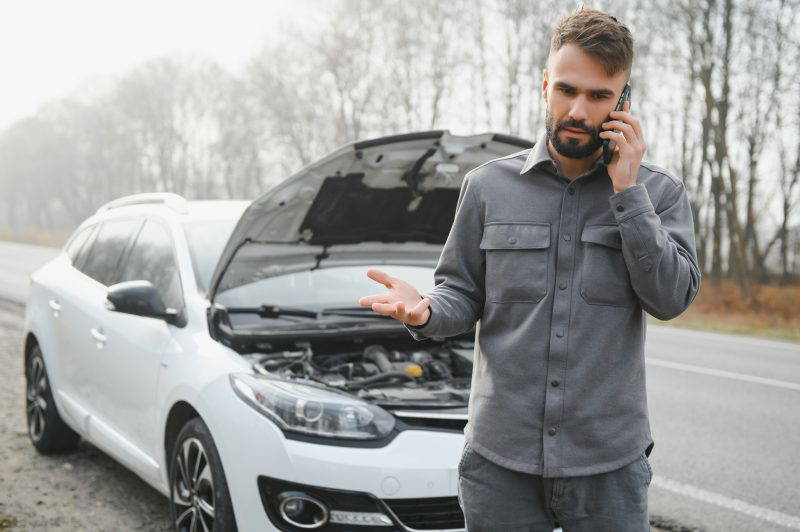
(275, 311)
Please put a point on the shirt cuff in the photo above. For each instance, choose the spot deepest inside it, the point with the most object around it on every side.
(630, 202)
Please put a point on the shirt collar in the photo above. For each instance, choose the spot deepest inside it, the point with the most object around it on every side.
(539, 155)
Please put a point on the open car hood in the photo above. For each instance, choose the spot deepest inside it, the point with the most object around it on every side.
(394, 196)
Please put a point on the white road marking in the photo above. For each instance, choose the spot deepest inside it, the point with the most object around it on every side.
(725, 374)
(737, 505)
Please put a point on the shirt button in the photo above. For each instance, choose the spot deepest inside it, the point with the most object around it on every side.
(560, 333)
(620, 208)
(567, 237)
(554, 383)
(552, 431)
(571, 191)
(512, 240)
(562, 285)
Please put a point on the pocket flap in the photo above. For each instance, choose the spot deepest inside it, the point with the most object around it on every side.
(606, 235)
(520, 235)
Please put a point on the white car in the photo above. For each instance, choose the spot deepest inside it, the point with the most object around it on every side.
(217, 349)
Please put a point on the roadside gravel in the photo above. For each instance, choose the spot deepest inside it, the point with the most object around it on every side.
(79, 490)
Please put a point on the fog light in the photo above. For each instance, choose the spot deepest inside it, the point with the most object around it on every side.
(302, 510)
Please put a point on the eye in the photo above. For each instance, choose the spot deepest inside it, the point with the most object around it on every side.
(565, 90)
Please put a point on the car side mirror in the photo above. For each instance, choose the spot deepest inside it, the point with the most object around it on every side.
(140, 298)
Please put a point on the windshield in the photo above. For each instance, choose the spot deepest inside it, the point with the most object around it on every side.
(206, 241)
(335, 287)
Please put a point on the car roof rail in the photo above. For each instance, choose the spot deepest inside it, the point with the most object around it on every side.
(168, 199)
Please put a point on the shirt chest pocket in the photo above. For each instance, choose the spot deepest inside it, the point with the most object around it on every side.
(604, 274)
(517, 258)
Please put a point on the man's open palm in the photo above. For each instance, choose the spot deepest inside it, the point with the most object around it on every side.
(401, 302)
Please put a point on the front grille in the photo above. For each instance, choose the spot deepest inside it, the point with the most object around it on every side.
(436, 423)
(433, 418)
(431, 513)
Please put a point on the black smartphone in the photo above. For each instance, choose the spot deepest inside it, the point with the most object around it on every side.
(608, 144)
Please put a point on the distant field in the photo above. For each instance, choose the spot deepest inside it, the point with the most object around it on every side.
(720, 307)
(36, 236)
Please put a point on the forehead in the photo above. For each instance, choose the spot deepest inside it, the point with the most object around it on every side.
(572, 65)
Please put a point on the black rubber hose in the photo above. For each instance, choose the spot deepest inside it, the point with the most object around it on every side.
(379, 355)
(378, 378)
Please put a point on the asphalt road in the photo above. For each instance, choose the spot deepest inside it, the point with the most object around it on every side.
(724, 413)
(17, 262)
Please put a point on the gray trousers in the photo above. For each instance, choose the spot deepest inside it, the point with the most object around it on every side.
(495, 498)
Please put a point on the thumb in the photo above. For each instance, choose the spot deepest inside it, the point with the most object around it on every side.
(418, 311)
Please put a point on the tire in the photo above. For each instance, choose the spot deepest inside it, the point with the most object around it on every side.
(46, 429)
(199, 500)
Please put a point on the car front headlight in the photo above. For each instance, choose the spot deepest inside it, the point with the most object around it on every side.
(312, 410)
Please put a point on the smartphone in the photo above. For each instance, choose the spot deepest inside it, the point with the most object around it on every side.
(608, 144)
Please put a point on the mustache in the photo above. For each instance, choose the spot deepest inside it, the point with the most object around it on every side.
(574, 124)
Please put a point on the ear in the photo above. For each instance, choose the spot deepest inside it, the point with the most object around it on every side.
(544, 84)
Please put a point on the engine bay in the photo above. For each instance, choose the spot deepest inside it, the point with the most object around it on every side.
(391, 373)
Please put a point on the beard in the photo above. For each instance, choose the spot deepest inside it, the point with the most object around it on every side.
(572, 148)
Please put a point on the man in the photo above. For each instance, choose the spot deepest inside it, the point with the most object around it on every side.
(559, 256)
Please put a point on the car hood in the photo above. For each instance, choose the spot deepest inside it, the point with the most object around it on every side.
(391, 197)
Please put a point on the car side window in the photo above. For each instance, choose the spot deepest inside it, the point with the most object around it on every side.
(152, 259)
(75, 243)
(103, 257)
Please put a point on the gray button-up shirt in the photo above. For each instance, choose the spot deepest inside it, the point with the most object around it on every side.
(558, 275)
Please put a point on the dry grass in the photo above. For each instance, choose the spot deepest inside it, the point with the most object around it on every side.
(719, 306)
(35, 236)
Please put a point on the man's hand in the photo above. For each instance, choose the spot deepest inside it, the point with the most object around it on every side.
(624, 166)
(401, 296)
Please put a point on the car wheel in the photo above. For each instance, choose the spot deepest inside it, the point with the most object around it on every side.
(46, 429)
(199, 500)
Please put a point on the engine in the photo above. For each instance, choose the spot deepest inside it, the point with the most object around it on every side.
(435, 376)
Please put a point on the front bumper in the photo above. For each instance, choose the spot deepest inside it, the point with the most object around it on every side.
(415, 466)
(351, 511)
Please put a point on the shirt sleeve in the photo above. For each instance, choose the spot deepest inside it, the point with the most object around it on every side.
(658, 248)
(456, 301)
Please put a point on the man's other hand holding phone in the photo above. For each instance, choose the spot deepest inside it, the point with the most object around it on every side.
(630, 148)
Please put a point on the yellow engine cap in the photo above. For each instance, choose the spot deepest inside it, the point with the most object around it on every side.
(413, 370)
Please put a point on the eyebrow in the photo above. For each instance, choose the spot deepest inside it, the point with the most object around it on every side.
(596, 92)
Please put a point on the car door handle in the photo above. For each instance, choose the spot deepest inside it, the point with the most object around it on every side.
(56, 306)
(99, 337)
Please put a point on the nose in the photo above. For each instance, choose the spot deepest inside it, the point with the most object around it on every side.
(578, 110)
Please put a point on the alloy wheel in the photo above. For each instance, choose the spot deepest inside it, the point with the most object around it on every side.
(36, 404)
(193, 488)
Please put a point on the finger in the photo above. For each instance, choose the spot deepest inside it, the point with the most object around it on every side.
(380, 276)
(637, 127)
(400, 311)
(419, 309)
(618, 138)
(626, 129)
(627, 117)
(367, 301)
(385, 309)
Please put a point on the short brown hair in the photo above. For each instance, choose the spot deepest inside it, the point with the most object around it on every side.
(598, 34)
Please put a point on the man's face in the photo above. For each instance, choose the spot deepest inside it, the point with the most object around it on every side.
(579, 96)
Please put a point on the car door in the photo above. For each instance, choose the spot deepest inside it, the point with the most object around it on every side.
(51, 293)
(135, 345)
(82, 301)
